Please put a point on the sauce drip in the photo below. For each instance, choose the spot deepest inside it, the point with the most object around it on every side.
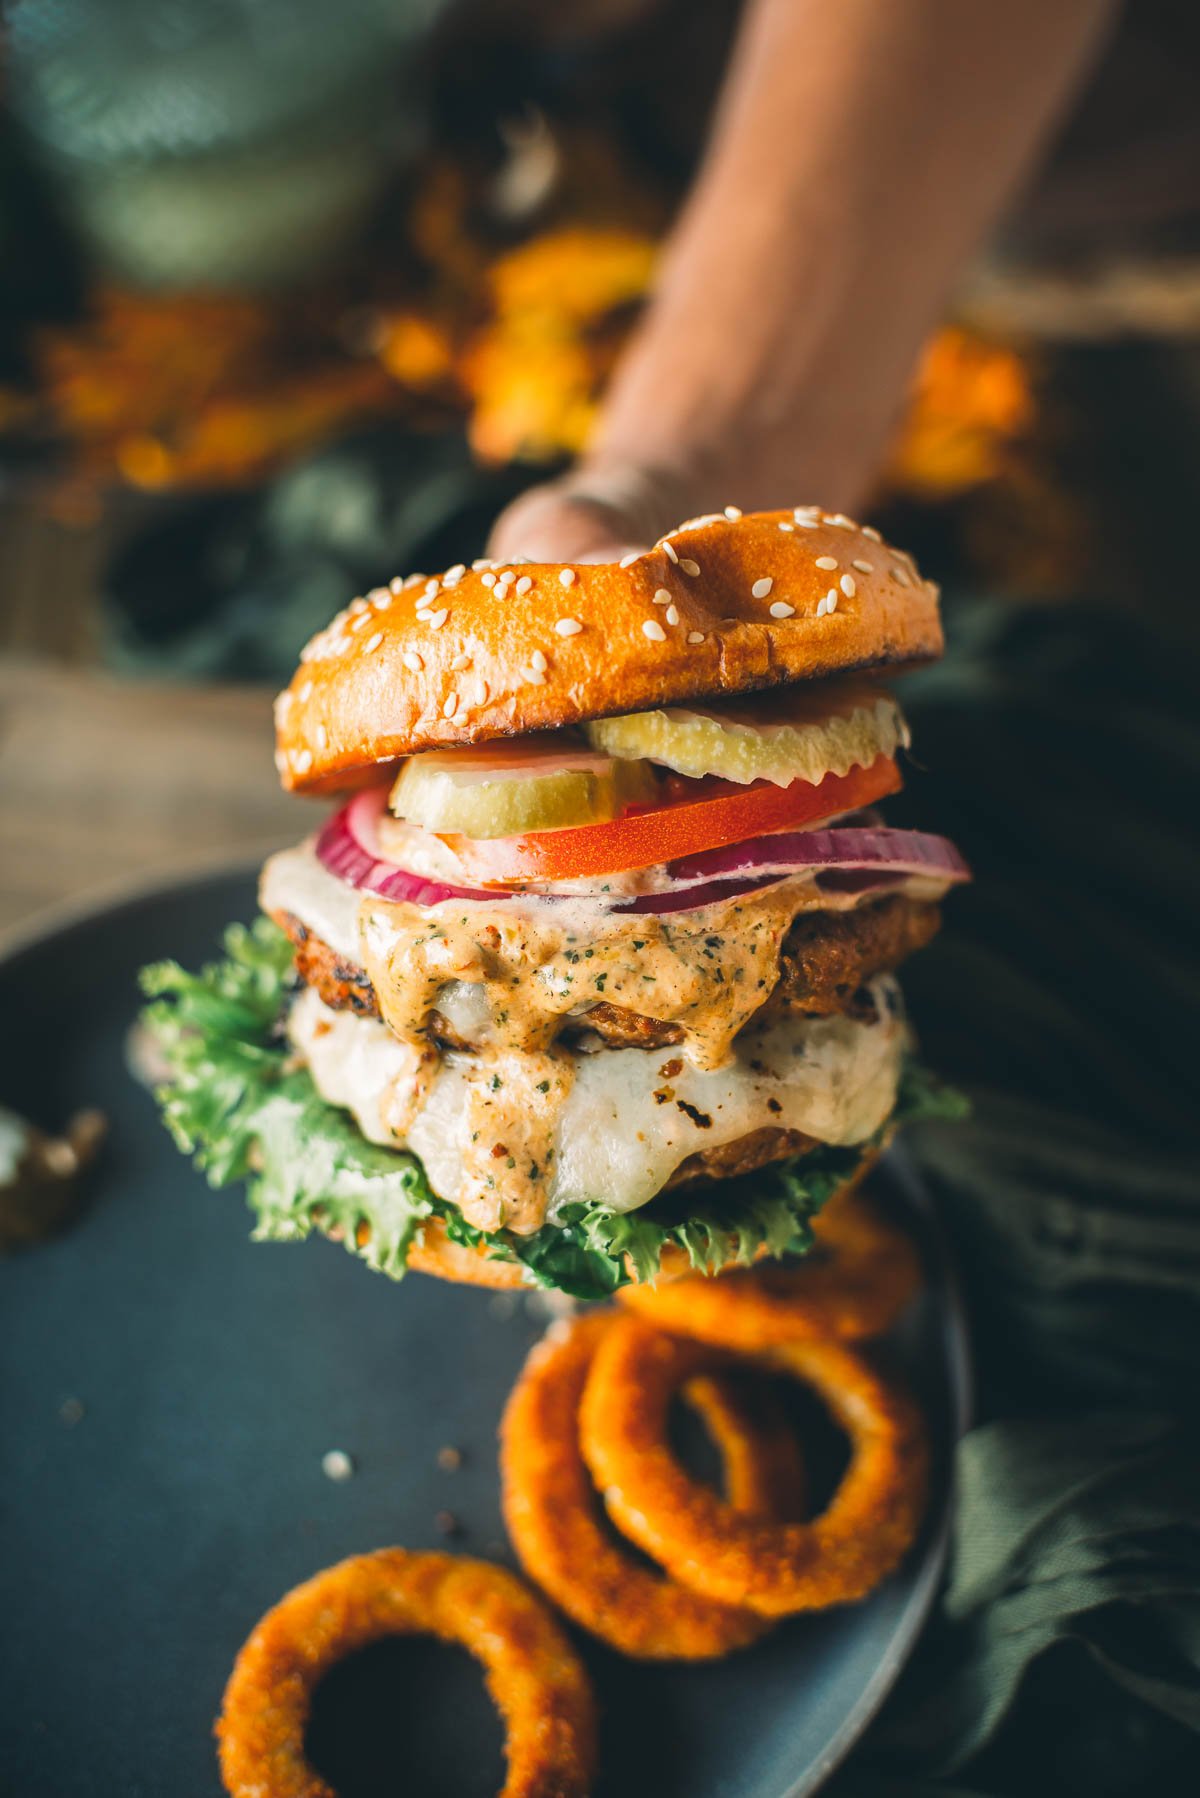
(708, 971)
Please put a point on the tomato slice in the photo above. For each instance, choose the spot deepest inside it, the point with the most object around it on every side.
(719, 813)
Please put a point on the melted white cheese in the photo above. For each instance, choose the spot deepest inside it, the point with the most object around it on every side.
(295, 881)
(630, 1116)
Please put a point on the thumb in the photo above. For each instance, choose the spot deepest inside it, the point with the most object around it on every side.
(553, 524)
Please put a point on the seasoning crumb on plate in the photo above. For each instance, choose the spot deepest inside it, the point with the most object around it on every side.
(336, 1464)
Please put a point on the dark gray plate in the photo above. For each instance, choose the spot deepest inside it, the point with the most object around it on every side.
(141, 1541)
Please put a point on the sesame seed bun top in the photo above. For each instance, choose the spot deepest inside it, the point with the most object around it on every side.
(723, 605)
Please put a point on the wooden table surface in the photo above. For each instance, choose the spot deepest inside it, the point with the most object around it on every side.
(105, 782)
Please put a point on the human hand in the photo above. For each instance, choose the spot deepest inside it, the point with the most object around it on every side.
(594, 513)
(858, 154)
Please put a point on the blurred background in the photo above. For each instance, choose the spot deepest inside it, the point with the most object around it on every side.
(295, 297)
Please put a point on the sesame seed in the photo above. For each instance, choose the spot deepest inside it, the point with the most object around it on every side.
(808, 524)
(356, 605)
(669, 547)
(438, 619)
(672, 614)
(423, 613)
(848, 585)
(450, 706)
(785, 524)
(396, 584)
(760, 589)
(283, 703)
(869, 530)
(489, 580)
(842, 522)
(337, 1465)
(630, 559)
(381, 600)
(412, 660)
(781, 609)
(322, 736)
(863, 567)
(695, 636)
(411, 580)
(432, 587)
(567, 576)
(302, 761)
(662, 597)
(733, 512)
(525, 583)
(801, 512)
(360, 618)
(901, 575)
(481, 693)
(831, 599)
(539, 661)
(372, 642)
(826, 562)
(688, 566)
(306, 692)
(535, 677)
(568, 627)
(821, 605)
(456, 573)
(461, 661)
(653, 629)
(481, 563)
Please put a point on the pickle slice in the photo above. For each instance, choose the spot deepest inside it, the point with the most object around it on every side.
(797, 734)
(511, 789)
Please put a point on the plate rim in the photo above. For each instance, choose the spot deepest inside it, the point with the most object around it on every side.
(897, 1164)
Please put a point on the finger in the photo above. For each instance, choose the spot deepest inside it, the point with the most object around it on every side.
(550, 525)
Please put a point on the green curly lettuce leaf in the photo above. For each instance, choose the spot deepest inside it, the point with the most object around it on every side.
(239, 1104)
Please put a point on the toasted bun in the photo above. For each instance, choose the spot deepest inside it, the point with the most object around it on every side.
(492, 657)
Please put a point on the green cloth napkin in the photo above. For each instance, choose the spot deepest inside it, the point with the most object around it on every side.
(1062, 751)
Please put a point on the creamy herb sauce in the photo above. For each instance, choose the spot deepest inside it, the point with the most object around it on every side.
(622, 1121)
(514, 973)
(708, 970)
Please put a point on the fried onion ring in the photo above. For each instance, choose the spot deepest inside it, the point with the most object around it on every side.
(533, 1674)
(774, 1569)
(856, 1280)
(550, 1505)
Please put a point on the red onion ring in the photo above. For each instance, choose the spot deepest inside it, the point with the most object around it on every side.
(348, 847)
(844, 860)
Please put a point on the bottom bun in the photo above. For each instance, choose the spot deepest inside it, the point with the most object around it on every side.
(437, 1254)
(445, 1259)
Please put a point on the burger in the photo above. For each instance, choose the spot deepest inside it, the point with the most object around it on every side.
(589, 976)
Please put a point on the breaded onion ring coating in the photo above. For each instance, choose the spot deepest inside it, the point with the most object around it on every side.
(854, 1283)
(534, 1675)
(774, 1569)
(550, 1505)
